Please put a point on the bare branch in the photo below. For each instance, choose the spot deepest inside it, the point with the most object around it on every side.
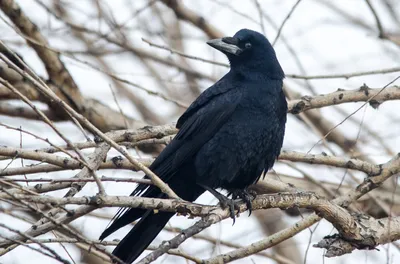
(342, 96)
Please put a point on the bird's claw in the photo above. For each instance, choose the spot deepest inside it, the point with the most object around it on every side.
(224, 202)
(246, 196)
(231, 204)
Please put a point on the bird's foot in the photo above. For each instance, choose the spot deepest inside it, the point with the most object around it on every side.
(224, 202)
(246, 196)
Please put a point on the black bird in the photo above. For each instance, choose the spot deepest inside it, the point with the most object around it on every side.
(227, 137)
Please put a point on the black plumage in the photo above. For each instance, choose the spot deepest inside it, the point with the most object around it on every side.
(227, 137)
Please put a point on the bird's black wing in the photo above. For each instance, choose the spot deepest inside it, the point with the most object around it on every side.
(220, 87)
(197, 125)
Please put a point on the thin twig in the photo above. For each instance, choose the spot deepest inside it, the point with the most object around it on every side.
(284, 22)
(378, 21)
(185, 55)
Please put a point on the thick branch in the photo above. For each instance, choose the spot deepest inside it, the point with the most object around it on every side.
(188, 15)
(366, 233)
(342, 96)
(58, 73)
(389, 169)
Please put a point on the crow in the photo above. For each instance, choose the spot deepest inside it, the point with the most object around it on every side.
(227, 138)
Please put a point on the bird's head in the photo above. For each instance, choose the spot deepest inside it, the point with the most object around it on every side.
(251, 51)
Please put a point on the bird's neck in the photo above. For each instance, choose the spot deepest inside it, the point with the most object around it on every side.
(256, 74)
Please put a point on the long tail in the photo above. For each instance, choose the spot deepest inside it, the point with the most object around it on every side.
(141, 235)
(150, 223)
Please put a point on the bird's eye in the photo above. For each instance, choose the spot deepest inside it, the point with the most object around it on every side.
(247, 45)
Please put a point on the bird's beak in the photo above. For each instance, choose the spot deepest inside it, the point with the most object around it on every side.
(226, 45)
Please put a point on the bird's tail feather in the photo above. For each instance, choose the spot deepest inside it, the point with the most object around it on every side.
(141, 235)
(126, 216)
(117, 222)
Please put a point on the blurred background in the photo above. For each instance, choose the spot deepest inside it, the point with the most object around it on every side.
(135, 63)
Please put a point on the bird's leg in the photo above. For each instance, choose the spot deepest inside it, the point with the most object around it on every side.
(224, 201)
(246, 196)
